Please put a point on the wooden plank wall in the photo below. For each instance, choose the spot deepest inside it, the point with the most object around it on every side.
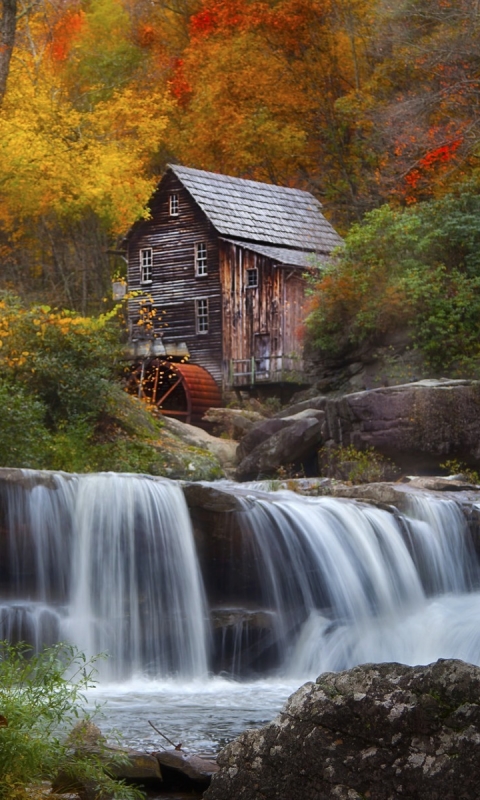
(175, 286)
(260, 321)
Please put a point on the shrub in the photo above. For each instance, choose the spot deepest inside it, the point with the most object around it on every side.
(37, 707)
(356, 466)
(417, 268)
(23, 435)
(63, 359)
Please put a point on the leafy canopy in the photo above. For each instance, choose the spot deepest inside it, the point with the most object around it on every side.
(418, 268)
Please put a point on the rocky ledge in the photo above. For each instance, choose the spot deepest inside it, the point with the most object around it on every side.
(417, 426)
(378, 731)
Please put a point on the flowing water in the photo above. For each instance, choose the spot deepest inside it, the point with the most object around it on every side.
(109, 562)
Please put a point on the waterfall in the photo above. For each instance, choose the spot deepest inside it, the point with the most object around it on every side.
(350, 583)
(296, 585)
(111, 558)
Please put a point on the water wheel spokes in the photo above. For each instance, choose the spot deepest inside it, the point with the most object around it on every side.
(178, 389)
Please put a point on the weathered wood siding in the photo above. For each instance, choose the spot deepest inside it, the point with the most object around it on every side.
(175, 286)
(262, 322)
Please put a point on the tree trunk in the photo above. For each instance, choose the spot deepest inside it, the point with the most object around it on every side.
(8, 24)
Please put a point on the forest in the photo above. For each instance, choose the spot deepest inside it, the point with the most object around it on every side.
(371, 105)
(362, 102)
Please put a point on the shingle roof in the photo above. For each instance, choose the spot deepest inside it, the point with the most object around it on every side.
(284, 255)
(260, 212)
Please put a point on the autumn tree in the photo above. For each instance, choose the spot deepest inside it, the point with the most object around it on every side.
(77, 135)
(423, 96)
(8, 24)
(416, 269)
(258, 94)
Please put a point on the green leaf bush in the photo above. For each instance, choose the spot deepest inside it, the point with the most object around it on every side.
(416, 268)
(41, 699)
(62, 404)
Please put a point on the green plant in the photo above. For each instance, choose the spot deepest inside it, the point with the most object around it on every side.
(357, 466)
(23, 435)
(454, 467)
(416, 268)
(41, 698)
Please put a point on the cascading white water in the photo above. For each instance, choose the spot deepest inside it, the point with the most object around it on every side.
(107, 562)
(352, 583)
(136, 588)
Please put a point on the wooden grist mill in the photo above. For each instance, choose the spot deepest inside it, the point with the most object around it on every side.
(178, 389)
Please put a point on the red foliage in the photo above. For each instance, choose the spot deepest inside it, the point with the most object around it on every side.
(179, 85)
(224, 15)
(64, 33)
(433, 159)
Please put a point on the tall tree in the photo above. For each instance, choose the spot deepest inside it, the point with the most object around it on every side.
(426, 90)
(258, 94)
(8, 24)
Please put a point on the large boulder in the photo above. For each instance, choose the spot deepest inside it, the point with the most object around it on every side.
(223, 450)
(382, 731)
(233, 423)
(196, 771)
(295, 444)
(314, 401)
(259, 433)
(417, 425)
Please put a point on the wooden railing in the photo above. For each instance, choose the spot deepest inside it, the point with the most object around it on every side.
(252, 371)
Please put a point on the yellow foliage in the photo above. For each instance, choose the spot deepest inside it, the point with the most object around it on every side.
(57, 158)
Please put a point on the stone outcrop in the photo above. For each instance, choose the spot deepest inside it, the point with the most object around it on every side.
(417, 425)
(233, 423)
(377, 731)
(295, 443)
(223, 450)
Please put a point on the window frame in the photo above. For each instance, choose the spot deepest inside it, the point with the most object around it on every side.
(173, 205)
(146, 266)
(250, 272)
(202, 319)
(201, 260)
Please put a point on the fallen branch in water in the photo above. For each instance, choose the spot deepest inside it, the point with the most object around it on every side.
(176, 746)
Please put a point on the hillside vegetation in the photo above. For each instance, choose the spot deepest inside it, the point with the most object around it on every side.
(63, 405)
(362, 102)
(372, 105)
(416, 269)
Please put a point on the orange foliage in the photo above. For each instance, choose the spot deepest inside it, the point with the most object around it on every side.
(64, 33)
(179, 86)
(147, 36)
(433, 160)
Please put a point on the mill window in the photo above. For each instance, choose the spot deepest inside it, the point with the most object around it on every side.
(174, 207)
(252, 278)
(201, 315)
(200, 259)
(146, 264)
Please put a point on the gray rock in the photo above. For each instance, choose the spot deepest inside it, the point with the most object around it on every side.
(307, 413)
(417, 425)
(260, 433)
(134, 765)
(291, 445)
(317, 402)
(197, 769)
(233, 422)
(208, 497)
(222, 449)
(382, 731)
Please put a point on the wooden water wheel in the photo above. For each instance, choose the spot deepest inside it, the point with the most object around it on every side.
(180, 390)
